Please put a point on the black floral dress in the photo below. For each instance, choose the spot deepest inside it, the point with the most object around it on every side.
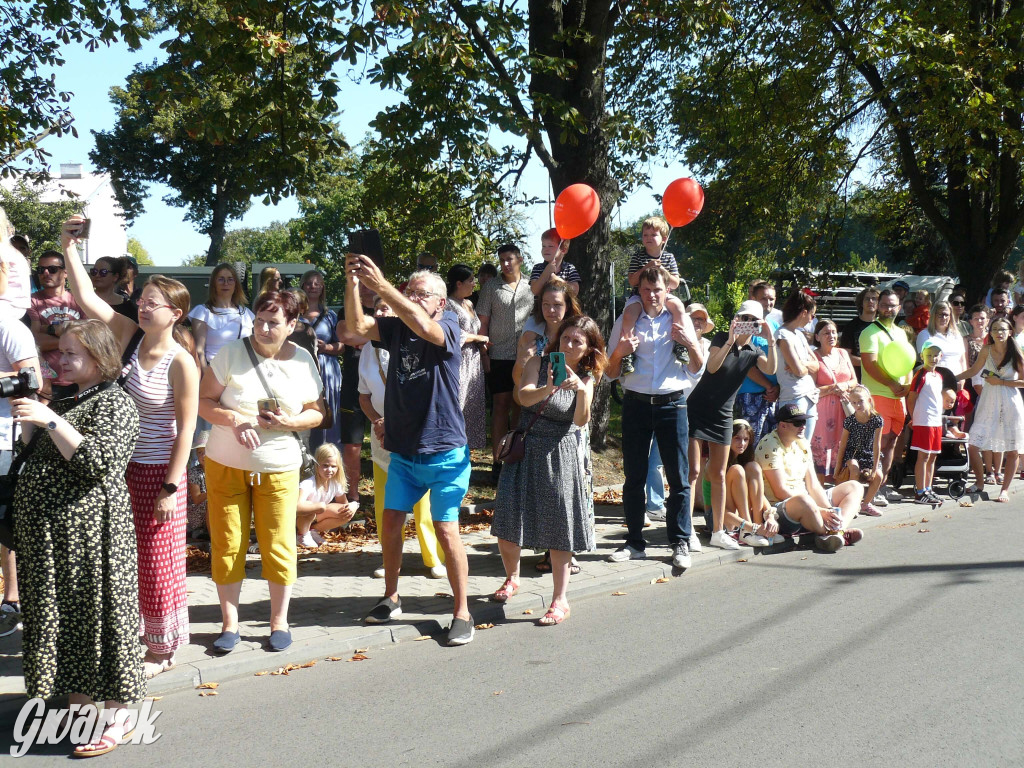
(77, 562)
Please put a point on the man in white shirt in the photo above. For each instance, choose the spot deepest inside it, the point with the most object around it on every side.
(654, 407)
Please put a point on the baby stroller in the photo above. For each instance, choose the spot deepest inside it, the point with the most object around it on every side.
(952, 464)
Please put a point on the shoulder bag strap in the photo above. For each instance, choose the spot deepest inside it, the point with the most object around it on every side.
(19, 461)
(883, 328)
(263, 381)
(126, 356)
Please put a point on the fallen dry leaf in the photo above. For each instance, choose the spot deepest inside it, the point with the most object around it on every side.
(154, 698)
(742, 560)
(335, 658)
(803, 558)
(924, 519)
(207, 693)
(618, 594)
(498, 693)
(923, 530)
(949, 517)
(208, 686)
(485, 626)
(528, 612)
(660, 580)
(261, 674)
(441, 594)
(362, 650)
(359, 657)
(421, 637)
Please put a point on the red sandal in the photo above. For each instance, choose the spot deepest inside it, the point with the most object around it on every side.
(555, 615)
(508, 589)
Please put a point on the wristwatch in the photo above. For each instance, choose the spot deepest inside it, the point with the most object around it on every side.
(170, 488)
(51, 425)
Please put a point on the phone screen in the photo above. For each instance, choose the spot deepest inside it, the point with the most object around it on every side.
(367, 242)
(558, 367)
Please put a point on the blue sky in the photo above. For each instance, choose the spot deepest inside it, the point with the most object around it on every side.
(162, 229)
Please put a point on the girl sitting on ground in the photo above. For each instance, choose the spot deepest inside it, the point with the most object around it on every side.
(323, 504)
(745, 502)
(196, 515)
(860, 449)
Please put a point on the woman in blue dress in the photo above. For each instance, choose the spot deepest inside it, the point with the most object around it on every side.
(323, 322)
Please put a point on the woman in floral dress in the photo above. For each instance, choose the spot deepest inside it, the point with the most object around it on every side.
(461, 282)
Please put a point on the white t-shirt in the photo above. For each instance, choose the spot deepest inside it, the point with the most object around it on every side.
(791, 387)
(15, 301)
(223, 326)
(16, 344)
(294, 382)
(954, 352)
(370, 383)
(310, 491)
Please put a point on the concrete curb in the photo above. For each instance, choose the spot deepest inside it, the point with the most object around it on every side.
(318, 643)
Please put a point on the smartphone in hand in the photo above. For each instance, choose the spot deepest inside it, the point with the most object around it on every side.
(267, 404)
(83, 230)
(558, 368)
(366, 242)
(747, 328)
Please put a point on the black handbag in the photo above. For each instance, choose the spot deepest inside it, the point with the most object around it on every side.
(8, 485)
(308, 465)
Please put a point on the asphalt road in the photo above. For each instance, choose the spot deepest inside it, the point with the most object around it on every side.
(905, 650)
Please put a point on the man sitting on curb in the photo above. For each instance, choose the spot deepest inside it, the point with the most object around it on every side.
(791, 485)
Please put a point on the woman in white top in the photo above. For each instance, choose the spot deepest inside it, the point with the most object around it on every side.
(162, 380)
(798, 365)
(943, 331)
(223, 318)
(253, 458)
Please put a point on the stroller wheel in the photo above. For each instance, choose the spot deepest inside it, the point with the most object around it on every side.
(956, 488)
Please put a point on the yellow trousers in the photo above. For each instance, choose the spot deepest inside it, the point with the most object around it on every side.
(235, 499)
(432, 554)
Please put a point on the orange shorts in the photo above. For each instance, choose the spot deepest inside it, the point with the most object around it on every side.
(893, 413)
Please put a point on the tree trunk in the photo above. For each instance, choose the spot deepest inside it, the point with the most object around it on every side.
(218, 222)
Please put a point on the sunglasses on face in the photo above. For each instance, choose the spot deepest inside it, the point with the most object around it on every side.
(747, 319)
(99, 272)
(52, 270)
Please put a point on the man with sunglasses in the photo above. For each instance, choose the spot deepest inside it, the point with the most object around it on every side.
(52, 308)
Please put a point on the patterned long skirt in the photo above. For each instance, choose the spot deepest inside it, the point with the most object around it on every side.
(163, 603)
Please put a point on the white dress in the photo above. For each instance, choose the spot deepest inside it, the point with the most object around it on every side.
(999, 418)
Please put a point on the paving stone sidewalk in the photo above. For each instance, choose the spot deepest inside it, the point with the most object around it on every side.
(335, 591)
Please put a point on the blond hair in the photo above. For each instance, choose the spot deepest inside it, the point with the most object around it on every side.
(864, 392)
(655, 222)
(330, 451)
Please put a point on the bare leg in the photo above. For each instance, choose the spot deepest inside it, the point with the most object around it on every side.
(977, 460)
(694, 476)
(560, 571)
(719, 455)
(9, 568)
(456, 563)
(391, 541)
(755, 492)
(229, 595)
(350, 457)
(500, 420)
(510, 558)
(736, 492)
(1009, 471)
(280, 597)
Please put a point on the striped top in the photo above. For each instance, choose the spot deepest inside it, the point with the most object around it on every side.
(151, 392)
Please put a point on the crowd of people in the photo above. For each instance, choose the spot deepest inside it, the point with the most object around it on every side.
(158, 421)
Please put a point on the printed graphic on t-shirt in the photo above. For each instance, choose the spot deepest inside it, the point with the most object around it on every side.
(409, 367)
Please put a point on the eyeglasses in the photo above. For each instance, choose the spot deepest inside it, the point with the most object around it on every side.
(420, 295)
(225, 279)
(747, 319)
(957, 303)
(149, 306)
(51, 270)
(99, 272)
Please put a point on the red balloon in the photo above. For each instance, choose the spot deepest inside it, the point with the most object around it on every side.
(576, 210)
(682, 201)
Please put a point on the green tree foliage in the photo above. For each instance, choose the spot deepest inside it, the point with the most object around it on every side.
(32, 106)
(217, 131)
(140, 254)
(40, 221)
(932, 95)
(274, 244)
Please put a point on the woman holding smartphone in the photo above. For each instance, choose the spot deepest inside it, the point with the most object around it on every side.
(709, 406)
(545, 501)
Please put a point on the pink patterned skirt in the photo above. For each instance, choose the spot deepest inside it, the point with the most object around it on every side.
(162, 587)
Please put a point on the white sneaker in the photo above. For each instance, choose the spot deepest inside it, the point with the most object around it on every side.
(657, 515)
(379, 573)
(892, 495)
(880, 501)
(438, 572)
(317, 537)
(626, 552)
(723, 540)
(694, 543)
(306, 540)
(755, 539)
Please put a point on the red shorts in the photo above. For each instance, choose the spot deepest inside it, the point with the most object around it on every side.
(926, 439)
(893, 413)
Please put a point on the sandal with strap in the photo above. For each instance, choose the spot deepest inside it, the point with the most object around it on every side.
(555, 615)
(507, 590)
(574, 567)
(154, 668)
(1004, 497)
(544, 566)
(114, 735)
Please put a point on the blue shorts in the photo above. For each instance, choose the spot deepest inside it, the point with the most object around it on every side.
(444, 475)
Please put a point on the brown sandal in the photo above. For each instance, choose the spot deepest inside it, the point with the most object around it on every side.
(507, 590)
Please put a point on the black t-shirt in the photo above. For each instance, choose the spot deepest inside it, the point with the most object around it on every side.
(850, 337)
(422, 413)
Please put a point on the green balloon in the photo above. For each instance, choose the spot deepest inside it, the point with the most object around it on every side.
(897, 359)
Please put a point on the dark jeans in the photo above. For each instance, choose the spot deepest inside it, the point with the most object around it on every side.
(668, 425)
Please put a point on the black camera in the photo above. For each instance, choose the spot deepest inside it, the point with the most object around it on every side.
(22, 384)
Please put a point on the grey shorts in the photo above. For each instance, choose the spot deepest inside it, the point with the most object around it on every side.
(787, 525)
